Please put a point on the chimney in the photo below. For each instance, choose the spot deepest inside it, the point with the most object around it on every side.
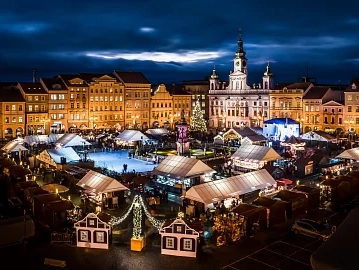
(34, 75)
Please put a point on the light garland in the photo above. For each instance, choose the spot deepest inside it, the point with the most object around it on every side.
(137, 205)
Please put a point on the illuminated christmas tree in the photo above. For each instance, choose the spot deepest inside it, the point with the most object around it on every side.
(197, 121)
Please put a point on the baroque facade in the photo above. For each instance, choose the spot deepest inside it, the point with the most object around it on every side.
(239, 104)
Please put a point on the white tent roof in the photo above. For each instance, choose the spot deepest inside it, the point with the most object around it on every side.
(318, 135)
(229, 187)
(72, 139)
(99, 183)
(13, 146)
(339, 251)
(256, 153)
(132, 136)
(350, 154)
(53, 156)
(181, 167)
(157, 131)
(36, 139)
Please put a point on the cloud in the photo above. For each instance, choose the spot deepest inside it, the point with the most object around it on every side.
(147, 29)
(165, 57)
(352, 21)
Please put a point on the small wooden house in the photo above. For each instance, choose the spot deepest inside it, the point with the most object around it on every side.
(92, 232)
(276, 210)
(297, 203)
(313, 195)
(178, 238)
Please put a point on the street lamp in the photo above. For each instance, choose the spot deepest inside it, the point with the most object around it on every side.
(44, 121)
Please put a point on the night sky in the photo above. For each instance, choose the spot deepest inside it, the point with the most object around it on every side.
(171, 41)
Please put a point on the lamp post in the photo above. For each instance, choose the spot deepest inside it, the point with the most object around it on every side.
(44, 121)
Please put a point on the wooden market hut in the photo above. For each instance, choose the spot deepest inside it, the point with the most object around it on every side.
(56, 213)
(353, 183)
(30, 193)
(312, 194)
(296, 202)
(18, 173)
(276, 210)
(22, 186)
(41, 200)
(251, 214)
(334, 191)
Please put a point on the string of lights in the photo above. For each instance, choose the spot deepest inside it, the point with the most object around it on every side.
(137, 205)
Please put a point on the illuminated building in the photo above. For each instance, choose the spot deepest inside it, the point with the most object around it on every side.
(351, 112)
(58, 98)
(137, 98)
(12, 119)
(36, 109)
(181, 101)
(238, 104)
(106, 100)
(161, 107)
(77, 102)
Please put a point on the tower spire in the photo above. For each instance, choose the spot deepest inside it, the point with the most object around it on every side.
(214, 74)
(240, 51)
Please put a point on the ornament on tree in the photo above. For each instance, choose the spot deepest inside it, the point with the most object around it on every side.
(197, 121)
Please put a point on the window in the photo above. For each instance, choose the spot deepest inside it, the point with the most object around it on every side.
(100, 237)
(14, 119)
(350, 97)
(20, 119)
(42, 98)
(7, 120)
(61, 106)
(349, 108)
(53, 97)
(170, 242)
(84, 236)
(20, 108)
(30, 108)
(13, 107)
(29, 98)
(187, 244)
(61, 96)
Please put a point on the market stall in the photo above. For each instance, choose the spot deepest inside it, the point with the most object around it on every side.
(294, 145)
(252, 214)
(253, 157)
(234, 136)
(58, 157)
(176, 173)
(254, 139)
(102, 190)
(334, 191)
(130, 137)
(312, 194)
(13, 147)
(296, 202)
(276, 210)
(157, 131)
(42, 139)
(351, 154)
(71, 140)
(225, 189)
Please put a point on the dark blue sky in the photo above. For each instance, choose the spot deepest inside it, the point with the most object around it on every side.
(179, 40)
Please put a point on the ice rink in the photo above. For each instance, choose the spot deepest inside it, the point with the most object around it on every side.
(114, 161)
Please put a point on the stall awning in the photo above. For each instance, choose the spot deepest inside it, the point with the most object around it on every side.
(157, 131)
(256, 152)
(13, 146)
(37, 139)
(226, 188)
(71, 139)
(350, 154)
(99, 183)
(182, 167)
(318, 135)
(53, 156)
(132, 136)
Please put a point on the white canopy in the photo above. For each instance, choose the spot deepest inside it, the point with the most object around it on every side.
(72, 139)
(229, 187)
(132, 136)
(181, 167)
(350, 154)
(318, 135)
(339, 251)
(53, 156)
(251, 152)
(13, 146)
(36, 139)
(157, 131)
(95, 182)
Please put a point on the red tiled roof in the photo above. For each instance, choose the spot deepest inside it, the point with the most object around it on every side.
(10, 93)
(32, 88)
(131, 77)
(354, 81)
(316, 92)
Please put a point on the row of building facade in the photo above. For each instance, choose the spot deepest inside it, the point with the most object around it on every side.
(68, 102)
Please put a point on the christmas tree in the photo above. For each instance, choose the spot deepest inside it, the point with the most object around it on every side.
(197, 121)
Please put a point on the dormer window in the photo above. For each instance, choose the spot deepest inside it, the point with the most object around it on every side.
(354, 86)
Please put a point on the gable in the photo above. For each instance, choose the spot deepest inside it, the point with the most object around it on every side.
(76, 81)
(104, 78)
(354, 87)
(333, 103)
